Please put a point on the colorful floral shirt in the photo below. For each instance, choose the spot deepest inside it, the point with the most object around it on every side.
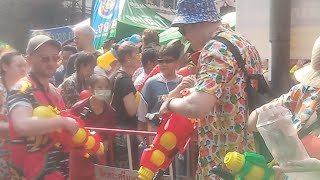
(35, 157)
(224, 129)
(301, 100)
(4, 153)
(71, 89)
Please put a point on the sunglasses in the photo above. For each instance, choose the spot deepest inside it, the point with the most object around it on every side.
(182, 30)
(46, 59)
(166, 61)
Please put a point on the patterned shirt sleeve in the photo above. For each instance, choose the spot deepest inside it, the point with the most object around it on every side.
(290, 99)
(3, 98)
(69, 93)
(20, 96)
(216, 68)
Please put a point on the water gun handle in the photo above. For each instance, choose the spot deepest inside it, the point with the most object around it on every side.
(79, 121)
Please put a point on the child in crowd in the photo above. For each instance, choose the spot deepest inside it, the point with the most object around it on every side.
(96, 111)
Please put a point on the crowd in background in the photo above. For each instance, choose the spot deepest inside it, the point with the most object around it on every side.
(144, 79)
(103, 98)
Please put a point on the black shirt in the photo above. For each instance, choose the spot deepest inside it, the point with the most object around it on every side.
(122, 86)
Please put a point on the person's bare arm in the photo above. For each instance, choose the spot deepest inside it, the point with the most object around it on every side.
(187, 82)
(253, 118)
(26, 125)
(196, 105)
(4, 127)
(130, 104)
(252, 121)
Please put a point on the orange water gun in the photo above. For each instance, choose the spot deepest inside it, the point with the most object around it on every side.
(89, 140)
(173, 135)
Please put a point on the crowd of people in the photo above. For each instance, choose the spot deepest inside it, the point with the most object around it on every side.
(144, 79)
(51, 74)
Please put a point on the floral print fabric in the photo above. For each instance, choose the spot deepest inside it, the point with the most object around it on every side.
(224, 129)
(70, 90)
(4, 153)
(301, 100)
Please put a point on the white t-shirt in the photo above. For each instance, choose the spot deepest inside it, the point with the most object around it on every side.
(100, 71)
(140, 79)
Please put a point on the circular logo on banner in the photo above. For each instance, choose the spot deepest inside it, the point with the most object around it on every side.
(106, 8)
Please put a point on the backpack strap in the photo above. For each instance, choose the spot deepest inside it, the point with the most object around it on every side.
(235, 52)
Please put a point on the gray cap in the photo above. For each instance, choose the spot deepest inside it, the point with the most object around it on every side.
(37, 41)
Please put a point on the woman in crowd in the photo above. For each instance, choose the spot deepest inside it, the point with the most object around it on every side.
(12, 68)
(123, 89)
(303, 101)
(72, 86)
(124, 97)
(96, 111)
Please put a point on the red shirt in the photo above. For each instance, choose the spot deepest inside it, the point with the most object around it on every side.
(82, 168)
(35, 157)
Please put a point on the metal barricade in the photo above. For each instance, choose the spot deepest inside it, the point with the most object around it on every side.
(109, 172)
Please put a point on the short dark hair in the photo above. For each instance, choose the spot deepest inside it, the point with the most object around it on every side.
(126, 48)
(108, 43)
(96, 77)
(69, 48)
(150, 36)
(149, 55)
(173, 50)
(67, 42)
(83, 58)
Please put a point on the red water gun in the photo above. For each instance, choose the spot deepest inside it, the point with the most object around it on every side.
(191, 67)
(187, 70)
(89, 140)
(173, 135)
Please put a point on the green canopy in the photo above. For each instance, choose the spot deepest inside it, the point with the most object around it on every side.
(173, 33)
(122, 18)
(169, 34)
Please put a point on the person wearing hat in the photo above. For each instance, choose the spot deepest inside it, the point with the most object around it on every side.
(303, 101)
(219, 99)
(33, 154)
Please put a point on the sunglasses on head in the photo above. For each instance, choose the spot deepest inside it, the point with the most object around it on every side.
(166, 61)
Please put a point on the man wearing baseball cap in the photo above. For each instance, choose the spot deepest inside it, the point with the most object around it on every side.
(32, 152)
(219, 99)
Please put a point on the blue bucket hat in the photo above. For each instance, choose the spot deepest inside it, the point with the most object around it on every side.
(195, 11)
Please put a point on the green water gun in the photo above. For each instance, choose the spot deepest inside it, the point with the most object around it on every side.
(248, 166)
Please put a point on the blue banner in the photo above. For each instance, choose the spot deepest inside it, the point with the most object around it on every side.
(60, 34)
(104, 19)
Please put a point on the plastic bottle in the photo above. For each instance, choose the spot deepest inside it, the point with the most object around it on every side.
(276, 128)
